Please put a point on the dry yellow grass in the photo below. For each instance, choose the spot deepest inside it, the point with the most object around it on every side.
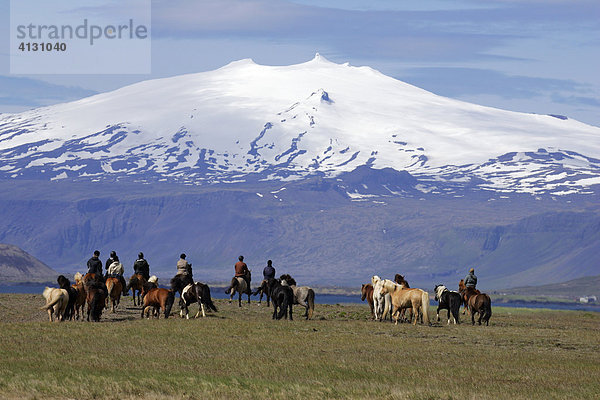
(242, 353)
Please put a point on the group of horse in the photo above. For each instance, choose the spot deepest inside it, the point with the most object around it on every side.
(402, 303)
(68, 301)
(282, 293)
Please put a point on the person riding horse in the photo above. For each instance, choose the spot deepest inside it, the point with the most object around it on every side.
(471, 279)
(184, 270)
(110, 260)
(241, 271)
(269, 271)
(116, 270)
(140, 266)
(95, 266)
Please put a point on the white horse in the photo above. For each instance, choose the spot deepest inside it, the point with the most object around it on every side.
(56, 302)
(381, 301)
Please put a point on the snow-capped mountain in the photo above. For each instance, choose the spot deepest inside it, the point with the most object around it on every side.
(248, 122)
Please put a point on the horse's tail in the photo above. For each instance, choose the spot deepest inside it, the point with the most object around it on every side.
(232, 285)
(169, 303)
(51, 304)
(96, 310)
(425, 306)
(387, 300)
(109, 287)
(207, 300)
(310, 300)
(488, 309)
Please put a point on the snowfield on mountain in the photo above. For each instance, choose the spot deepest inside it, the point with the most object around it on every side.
(248, 122)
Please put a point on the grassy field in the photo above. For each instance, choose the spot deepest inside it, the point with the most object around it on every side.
(242, 353)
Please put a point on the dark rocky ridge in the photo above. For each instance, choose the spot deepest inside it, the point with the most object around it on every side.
(18, 266)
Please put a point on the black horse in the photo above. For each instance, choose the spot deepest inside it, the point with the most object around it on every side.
(263, 289)
(448, 300)
(282, 298)
(64, 283)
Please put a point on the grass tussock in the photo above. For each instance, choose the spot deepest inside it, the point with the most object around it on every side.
(242, 353)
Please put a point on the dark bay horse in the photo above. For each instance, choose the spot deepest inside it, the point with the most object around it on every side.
(64, 283)
(136, 284)
(366, 292)
(96, 297)
(282, 298)
(263, 289)
(478, 303)
(399, 279)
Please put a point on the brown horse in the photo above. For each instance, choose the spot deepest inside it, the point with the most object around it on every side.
(461, 289)
(367, 293)
(95, 297)
(114, 293)
(136, 283)
(478, 303)
(80, 299)
(158, 298)
(399, 279)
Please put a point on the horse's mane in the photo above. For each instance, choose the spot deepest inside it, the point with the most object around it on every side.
(63, 282)
(78, 277)
(153, 279)
(389, 285)
(288, 279)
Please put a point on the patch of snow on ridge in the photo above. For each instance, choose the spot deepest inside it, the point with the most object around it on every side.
(284, 123)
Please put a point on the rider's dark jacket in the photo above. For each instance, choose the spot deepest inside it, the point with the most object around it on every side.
(94, 266)
(141, 267)
(269, 272)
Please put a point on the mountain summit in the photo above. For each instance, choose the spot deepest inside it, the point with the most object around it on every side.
(249, 122)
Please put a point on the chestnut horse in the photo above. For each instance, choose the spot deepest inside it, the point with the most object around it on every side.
(478, 303)
(80, 299)
(114, 292)
(366, 292)
(136, 284)
(158, 298)
(461, 290)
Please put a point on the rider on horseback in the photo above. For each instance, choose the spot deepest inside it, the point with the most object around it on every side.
(184, 270)
(471, 279)
(140, 266)
(95, 265)
(116, 270)
(241, 271)
(269, 271)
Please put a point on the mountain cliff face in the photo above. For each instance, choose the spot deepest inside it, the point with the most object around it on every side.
(332, 171)
(18, 266)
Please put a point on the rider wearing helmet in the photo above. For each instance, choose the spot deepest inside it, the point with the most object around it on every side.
(140, 266)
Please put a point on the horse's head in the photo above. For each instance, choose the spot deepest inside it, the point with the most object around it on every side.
(461, 285)
(364, 290)
(375, 279)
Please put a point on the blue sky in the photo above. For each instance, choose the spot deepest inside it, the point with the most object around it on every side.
(538, 56)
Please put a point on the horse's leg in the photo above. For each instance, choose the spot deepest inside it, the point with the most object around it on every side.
(415, 315)
(437, 313)
(240, 299)
(449, 315)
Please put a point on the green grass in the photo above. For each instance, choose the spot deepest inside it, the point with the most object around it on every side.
(242, 353)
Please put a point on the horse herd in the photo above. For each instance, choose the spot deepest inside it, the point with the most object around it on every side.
(397, 299)
(386, 297)
(68, 301)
